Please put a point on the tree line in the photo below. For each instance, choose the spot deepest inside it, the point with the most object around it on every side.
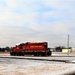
(59, 48)
(5, 49)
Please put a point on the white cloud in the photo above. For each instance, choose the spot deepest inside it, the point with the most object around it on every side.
(11, 3)
(22, 20)
(60, 28)
(63, 4)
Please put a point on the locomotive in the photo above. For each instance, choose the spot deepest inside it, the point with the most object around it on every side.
(31, 48)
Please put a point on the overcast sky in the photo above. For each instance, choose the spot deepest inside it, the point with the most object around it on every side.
(37, 21)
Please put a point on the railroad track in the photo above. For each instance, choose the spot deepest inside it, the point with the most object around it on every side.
(54, 60)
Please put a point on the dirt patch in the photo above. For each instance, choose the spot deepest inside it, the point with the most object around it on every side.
(4, 52)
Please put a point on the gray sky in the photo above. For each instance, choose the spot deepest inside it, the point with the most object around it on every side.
(37, 21)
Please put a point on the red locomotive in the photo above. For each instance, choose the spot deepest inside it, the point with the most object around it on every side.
(28, 48)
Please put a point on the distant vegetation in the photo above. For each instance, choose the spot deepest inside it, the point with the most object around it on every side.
(59, 48)
(6, 49)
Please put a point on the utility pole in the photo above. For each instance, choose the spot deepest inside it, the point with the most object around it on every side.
(68, 44)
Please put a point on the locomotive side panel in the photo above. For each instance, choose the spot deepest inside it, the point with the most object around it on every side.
(35, 47)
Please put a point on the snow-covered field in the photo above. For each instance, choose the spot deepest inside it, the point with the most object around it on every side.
(10, 66)
(33, 67)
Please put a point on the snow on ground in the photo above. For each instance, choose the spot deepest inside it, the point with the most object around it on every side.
(33, 67)
(36, 67)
